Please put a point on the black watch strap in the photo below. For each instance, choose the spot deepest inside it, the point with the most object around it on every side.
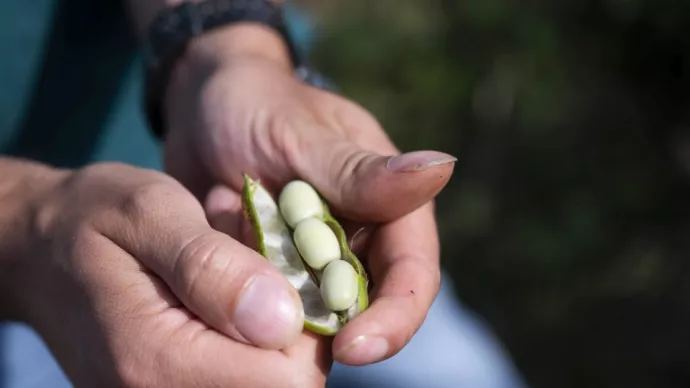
(173, 28)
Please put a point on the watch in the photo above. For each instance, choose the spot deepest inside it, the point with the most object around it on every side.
(174, 27)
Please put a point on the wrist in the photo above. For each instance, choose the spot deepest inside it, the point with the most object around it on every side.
(24, 183)
(225, 47)
(190, 41)
(236, 42)
(237, 46)
(143, 12)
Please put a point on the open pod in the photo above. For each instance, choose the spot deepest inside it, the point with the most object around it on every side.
(275, 242)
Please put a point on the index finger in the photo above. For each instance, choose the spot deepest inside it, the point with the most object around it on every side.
(404, 265)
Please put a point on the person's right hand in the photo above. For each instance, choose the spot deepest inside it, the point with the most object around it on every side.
(130, 286)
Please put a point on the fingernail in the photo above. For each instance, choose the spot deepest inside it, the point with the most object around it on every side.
(268, 314)
(364, 350)
(418, 161)
(359, 238)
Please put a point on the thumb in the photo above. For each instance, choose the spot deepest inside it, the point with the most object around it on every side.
(226, 284)
(364, 185)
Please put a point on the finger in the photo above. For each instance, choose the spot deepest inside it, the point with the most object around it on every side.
(312, 349)
(180, 350)
(407, 276)
(223, 208)
(224, 212)
(155, 343)
(362, 184)
(97, 304)
(184, 166)
(230, 286)
(211, 360)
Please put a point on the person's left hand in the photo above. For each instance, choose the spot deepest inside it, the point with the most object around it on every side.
(232, 109)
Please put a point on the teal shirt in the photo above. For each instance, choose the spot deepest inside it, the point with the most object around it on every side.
(23, 25)
(71, 83)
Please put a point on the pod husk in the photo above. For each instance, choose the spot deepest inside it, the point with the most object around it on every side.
(275, 243)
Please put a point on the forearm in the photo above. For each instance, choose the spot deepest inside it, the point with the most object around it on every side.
(21, 182)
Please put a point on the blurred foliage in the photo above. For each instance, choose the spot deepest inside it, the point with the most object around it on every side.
(567, 221)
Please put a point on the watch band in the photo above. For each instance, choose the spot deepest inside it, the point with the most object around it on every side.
(173, 28)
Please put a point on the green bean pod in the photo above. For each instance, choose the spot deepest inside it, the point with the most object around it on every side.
(275, 242)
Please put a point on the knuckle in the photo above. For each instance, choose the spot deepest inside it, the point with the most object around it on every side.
(283, 137)
(98, 172)
(45, 220)
(200, 263)
(146, 198)
(53, 231)
(352, 165)
(356, 161)
(281, 121)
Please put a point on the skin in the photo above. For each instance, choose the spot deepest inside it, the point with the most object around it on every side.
(247, 113)
(110, 284)
(136, 279)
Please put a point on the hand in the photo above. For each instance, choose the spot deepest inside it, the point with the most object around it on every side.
(233, 112)
(130, 286)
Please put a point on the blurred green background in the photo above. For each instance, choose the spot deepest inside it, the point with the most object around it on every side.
(566, 223)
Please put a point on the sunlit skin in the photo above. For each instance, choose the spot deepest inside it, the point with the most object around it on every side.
(135, 278)
(248, 114)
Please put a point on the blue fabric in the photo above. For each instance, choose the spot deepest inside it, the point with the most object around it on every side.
(23, 27)
(25, 361)
(452, 349)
